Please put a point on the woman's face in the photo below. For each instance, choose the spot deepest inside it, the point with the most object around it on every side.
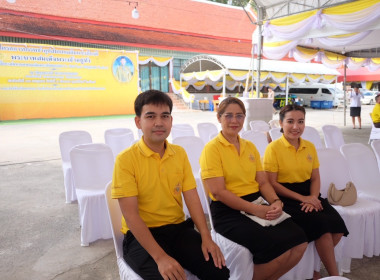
(293, 125)
(232, 120)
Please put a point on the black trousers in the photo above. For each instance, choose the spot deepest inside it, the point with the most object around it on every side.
(182, 242)
(377, 125)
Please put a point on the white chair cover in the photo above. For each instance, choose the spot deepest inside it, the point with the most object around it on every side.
(376, 149)
(375, 134)
(193, 146)
(67, 140)
(182, 129)
(139, 133)
(333, 136)
(362, 219)
(118, 139)
(275, 133)
(259, 125)
(239, 259)
(206, 129)
(114, 213)
(312, 135)
(363, 169)
(274, 123)
(259, 139)
(334, 278)
(92, 166)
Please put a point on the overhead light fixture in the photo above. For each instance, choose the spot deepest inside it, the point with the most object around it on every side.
(135, 13)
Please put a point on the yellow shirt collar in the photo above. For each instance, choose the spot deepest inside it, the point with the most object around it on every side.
(146, 151)
(288, 145)
(224, 141)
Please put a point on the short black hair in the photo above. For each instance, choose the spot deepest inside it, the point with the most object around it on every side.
(152, 96)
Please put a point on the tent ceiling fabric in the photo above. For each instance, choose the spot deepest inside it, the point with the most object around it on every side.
(281, 8)
(349, 30)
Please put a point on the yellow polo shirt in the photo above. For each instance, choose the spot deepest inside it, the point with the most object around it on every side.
(376, 113)
(220, 158)
(156, 182)
(291, 165)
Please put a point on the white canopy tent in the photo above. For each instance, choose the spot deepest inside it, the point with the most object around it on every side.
(226, 71)
(337, 33)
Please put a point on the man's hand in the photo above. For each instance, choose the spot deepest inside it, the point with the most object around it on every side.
(170, 269)
(210, 247)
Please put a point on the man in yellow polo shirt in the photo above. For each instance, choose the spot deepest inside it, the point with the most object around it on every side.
(376, 112)
(149, 180)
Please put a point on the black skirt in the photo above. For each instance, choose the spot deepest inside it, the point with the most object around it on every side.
(315, 224)
(265, 243)
(355, 111)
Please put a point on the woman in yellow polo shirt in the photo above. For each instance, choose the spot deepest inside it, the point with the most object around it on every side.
(376, 112)
(234, 177)
(293, 169)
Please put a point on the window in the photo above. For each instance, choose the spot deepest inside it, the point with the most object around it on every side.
(303, 90)
(326, 91)
(177, 64)
(153, 76)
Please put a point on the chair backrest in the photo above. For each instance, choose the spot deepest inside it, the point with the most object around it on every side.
(206, 199)
(375, 134)
(69, 139)
(193, 146)
(274, 123)
(182, 129)
(259, 125)
(376, 149)
(118, 139)
(333, 136)
(333, 169)
(259, 139)
(312, 135)
(363, 167)
(92, 166)
(206, 129)
(275, 133)
(114, 213)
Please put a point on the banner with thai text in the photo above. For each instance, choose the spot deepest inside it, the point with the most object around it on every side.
(45, 81)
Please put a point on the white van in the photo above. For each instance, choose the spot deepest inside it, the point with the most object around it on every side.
(316, 92)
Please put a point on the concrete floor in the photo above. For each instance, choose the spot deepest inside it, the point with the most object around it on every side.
(40, 234)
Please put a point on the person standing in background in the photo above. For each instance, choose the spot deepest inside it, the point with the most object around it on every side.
(355, 106)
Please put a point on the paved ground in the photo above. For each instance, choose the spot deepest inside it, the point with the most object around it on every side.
(40, 234)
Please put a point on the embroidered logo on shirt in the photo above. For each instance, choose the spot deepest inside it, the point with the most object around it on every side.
(251, 158)
(177, 189)
(309, 158)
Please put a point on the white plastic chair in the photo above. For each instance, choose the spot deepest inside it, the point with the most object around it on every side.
(362, 219)
(375, 134)
(183, 129)
(139, 133)
(114, 213)
(193, 146)
(376, 149)
(92, 166)
(239, 259)
(364, 169)
(274, 123)
(118, 139)
(259, 139)
(259, 125)
(275, 133)
(312, 135)
(67, 140)
(206, 129)
(333, 136)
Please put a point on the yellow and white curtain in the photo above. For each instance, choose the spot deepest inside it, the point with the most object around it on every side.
(282, 36)
(159, 61)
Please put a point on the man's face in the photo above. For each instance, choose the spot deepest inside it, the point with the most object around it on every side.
(123, 61)
(155, 122)
(356, 90)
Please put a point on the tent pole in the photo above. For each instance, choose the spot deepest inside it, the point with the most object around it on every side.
(287, 89)
(259, 49)
(344, 94)
(224, 83)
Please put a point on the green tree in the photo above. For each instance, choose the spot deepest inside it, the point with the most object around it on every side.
(233, 2)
